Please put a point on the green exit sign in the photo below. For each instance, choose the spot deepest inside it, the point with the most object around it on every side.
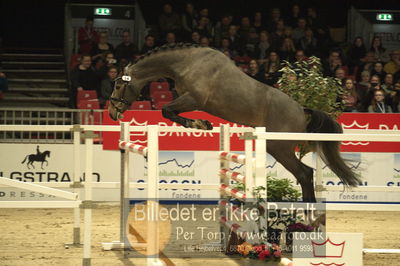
(384, 17)
(102, 11)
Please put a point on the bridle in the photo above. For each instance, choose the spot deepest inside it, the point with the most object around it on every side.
(125, 79)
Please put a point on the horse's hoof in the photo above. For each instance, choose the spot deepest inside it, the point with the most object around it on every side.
(207, 124)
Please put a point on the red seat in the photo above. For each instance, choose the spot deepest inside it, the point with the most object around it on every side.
(106, 104)
(140, 105)
(88, 104)
(159, 105)
(158, 86)
(161, 96)
(86, 95)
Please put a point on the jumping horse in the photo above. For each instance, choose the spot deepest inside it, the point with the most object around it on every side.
(207, 80)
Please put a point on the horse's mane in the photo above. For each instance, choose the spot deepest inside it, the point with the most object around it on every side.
(167, 47)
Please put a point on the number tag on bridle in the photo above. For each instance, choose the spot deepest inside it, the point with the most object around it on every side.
(126, 78)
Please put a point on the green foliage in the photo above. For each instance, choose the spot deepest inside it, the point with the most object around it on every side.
(281, 190)
(304, 82)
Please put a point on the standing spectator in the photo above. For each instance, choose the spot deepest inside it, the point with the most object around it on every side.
(381, 54)
(196, 37)
(221, 30)
(189, 20)
(394, 64)
(263, 48)
(148, 44)
(127, 49)
(170, 38)
(357, 51)
(378, 103)
(107, 85)
(101, 48)
(300, 31)
(378, 70)
(350, 97)
(169, 21)
(258, 22)
(293, 18)
(287, 50)
(387, 84)
(83, 77)
(87, 37)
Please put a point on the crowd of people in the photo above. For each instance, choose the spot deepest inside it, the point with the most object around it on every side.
(369, 74)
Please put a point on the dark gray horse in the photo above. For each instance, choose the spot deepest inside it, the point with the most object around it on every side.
(207, 80)
(41, 157)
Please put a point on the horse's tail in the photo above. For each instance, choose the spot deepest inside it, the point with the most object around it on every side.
(25, 159)
(329, 150)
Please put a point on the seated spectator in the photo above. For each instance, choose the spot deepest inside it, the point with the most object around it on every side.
(380, 53)
(275, 16)
(287, 50)
(204, 41)
(169, 21)
(87, 37)
(251, 46)
(83, 77)
(101, 48)
(378, 104)
(309, 43)
(196, 37)
(3, 83)
(340, 73)
(332, 63)
(221, 30)
(258, 22)
(225, 48)
(378, 70)
(254, 70)
(324, 40)
(293, 18)
(300, 56)
(394, 64)
(350, 97)
(170, 38)
(148, 44)
(367, 63)
(105, 63)
(356, 52)
(300, 31)
(244, 29)
(394, 98)
(127, 49)
(189, 20)
(313, 19)
(271, 68)
(203, 27)
(362, 88)
(278, 35)
(263, 48)
(375, 84)
(234, 38)
(107, 85)
(387, 84)
(396, 76)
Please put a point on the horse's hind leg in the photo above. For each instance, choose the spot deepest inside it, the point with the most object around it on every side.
(184, 103)
(283, 152)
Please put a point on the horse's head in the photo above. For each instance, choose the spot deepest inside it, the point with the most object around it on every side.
(47, 153)
(123, 95)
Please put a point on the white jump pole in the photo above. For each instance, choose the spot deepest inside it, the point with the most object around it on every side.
(224, 143)
(87, 204)
(77, 183)
(318, 187)
(260, 163)
(124, 189)
(153, 248)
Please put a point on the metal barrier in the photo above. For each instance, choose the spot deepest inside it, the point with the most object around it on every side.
(45, 117)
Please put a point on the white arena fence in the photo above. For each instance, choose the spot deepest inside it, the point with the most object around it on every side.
(87, 205)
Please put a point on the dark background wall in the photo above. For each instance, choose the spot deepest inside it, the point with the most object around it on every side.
(40, 23)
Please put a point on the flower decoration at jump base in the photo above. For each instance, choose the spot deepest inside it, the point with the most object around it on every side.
(260, 252)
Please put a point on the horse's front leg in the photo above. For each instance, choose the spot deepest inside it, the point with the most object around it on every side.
(184, 103)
